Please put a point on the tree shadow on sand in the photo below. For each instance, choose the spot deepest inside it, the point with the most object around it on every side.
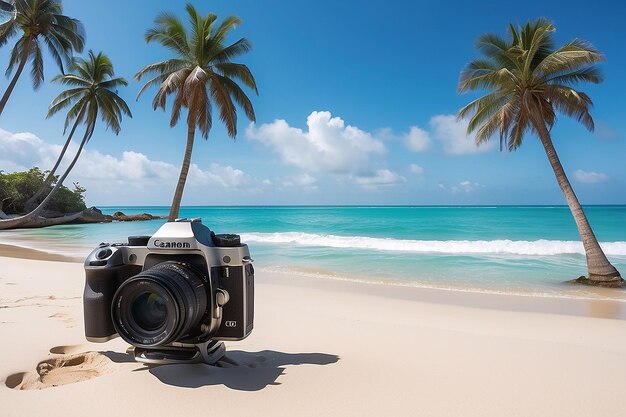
(238, 370)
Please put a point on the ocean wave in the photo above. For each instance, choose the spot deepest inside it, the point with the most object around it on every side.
(512, 247)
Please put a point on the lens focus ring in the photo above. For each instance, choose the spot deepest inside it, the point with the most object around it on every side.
(161, 304)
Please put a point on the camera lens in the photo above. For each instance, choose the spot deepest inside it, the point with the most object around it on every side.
(149, 311)
(161, 305)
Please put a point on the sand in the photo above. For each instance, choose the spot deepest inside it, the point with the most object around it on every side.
(320, 348)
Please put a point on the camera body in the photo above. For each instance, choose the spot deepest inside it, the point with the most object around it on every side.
(174, 292)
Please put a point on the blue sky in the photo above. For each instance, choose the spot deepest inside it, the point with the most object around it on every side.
(356, 104)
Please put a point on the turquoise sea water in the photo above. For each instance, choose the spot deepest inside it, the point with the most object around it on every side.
(517, 250)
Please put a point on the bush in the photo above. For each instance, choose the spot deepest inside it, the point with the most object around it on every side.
(16, 188)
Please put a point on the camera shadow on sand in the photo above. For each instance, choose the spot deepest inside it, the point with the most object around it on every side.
(238, 370)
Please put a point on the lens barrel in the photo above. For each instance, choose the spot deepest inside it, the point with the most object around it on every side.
(161, 305)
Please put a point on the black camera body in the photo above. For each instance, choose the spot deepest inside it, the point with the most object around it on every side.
(173, 295)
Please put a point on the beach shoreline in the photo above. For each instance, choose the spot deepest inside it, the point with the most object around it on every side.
(431, 248)
(358, 349)
(579, 306)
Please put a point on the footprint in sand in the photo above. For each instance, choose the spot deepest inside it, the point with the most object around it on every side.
(65, 318)
(67, 369)
(68, 349)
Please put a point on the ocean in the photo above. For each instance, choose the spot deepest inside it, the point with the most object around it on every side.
(522, 250)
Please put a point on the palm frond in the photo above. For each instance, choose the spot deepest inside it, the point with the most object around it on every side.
(590, 74)
(163, 67)
(113, 83)
(36, 71)
(497, 49)
(240, 47)
(203, 76)
(228, 24)
(7, 31)
(63, 100)
(94, 94)
(228, 112)
(18, 53)
(169, 32)
(75, 114)
(527, 81)
(238, 71)
(72, 80)
(171, 83)
(572, 103)
(240, 97)
(573, 56)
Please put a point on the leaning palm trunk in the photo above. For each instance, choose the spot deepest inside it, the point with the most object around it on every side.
(184, 170)
(20, 68)
(32, 202)
(32, 219)
(600, 270)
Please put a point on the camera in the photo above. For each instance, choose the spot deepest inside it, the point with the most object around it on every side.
(174, 296)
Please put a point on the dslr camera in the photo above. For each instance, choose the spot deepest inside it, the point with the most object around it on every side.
(174, 296)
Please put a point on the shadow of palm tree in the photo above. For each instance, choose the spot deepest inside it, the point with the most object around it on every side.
(238, 370)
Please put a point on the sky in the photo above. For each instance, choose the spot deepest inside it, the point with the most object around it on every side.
(357, 106)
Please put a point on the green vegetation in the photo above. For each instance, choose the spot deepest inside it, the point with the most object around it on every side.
(17, 187)
(93, 94)
(529, 81)
(37, 22)
(201, 75)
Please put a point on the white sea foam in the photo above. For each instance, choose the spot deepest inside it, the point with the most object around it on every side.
(512, 247)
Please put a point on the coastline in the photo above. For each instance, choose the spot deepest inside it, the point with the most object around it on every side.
(22, 252)
(601, 305)
(319, 347)
(473, 250)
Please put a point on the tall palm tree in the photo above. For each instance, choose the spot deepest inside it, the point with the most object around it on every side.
(200, 76)
(39, 21)
(93, 93)
(529, 80)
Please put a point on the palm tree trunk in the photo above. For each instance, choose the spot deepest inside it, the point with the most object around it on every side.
(600, 270)
(184, 170)
(32, 202)
(20, 68)
(59, 183)
(32, 217)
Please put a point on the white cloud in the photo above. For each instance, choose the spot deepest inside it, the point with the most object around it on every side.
(452, 133)
(300, 181)
(222, 176)
(131, 175)
(132, 168)
(381, 178)
(417, 170)
(590, 177)
(417, 140)
(19, 151)
(462, 187)
(329, 145)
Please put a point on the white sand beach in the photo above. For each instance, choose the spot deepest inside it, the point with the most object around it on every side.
(320, 348)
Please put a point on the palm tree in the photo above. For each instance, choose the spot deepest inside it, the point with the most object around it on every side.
(93, 93)
(39, 21)
(32, 201)
(200, 76)
(529, 80)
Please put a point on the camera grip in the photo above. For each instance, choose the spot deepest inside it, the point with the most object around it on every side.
(100, 286)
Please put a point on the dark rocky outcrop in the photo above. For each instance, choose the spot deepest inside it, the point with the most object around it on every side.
(94, 215)
(51, 218)
(121, 217)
